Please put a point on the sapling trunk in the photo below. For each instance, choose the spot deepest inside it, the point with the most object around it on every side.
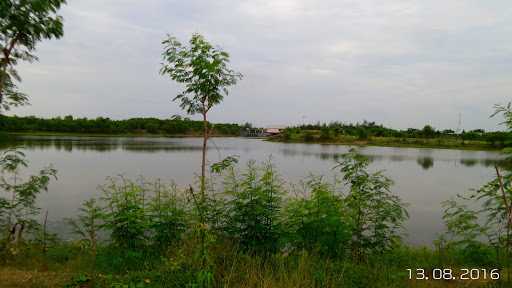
(202, 205)
(203, 69)
(203, 159)
(508, 209)
(44, 244)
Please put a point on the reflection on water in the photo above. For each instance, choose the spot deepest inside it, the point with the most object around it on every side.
(100, 144)
(425, 162)
(422, 177)
(159, 144)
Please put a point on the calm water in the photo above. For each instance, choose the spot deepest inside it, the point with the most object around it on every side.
(423, 177)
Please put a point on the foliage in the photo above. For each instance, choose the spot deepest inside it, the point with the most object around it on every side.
(68, 124)
(22, 25)
(309, 136)
(428, 131)
(317, 222)
(372, 132)
(234, 268)
(9, 95)
(490, 204)
(18, 199)
(139, 215)
(224, 164)
(88, 224)
(167, 215)
(326, 134)
(375, 213)
(125, 214)
(463, 229)
(506, 111)
(203, 70)
(254, 202)
(479, 224)
(78, 281)
(253, 235)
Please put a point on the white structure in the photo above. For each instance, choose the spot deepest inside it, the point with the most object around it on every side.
(272, 131)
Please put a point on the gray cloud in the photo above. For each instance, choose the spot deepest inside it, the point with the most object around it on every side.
(401, 63)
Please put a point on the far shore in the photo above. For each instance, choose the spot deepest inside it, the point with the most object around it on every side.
(433, 143)
(149, 135)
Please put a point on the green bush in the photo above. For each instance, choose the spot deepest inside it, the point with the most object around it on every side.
(375, 213)
(317, 222)
(125, 216)
(253, 207)
(166, 215)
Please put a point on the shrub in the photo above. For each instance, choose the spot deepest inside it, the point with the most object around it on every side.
(317, 222)
(375, 213)
(254, 203)
(125, 215)
(166, 215)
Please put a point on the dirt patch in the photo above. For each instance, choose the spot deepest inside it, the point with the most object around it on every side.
(15, 278)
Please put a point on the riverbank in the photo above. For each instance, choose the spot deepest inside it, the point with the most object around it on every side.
(146, 126)
(70, 265)
(435, 143)
(257, 233)
(147, 135)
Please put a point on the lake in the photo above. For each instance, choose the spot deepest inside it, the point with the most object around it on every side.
(423, 177)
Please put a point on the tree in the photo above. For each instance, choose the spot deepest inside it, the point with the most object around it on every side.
(377, 214)
(23, 23)
(204, 71)
(17, 211)
(428, 131)
(493, 203)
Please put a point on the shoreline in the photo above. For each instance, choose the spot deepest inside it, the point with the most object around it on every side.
(468, 146)
(78, 134)
(376, 142)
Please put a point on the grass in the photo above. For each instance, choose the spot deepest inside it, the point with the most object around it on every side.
(176, 267)
(17, 277)
(438, 143)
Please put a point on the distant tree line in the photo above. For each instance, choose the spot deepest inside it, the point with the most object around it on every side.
(176, 125)
(365, 130)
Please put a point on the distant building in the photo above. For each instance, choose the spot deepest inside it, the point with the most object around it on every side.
(272, 131)
(253, 132)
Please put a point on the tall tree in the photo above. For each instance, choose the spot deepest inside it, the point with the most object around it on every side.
(23, 23)
(204, 71)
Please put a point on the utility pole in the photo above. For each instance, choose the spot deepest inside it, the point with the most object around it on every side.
(459, 124)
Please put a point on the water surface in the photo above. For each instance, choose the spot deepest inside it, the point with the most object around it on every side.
(423, 177)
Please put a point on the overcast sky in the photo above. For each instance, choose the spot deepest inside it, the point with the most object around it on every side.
(400, 63)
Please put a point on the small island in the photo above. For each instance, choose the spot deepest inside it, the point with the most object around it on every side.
(372, 134)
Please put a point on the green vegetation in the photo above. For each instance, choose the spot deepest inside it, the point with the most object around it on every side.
(22, 25)
(369, 133)
(493, 203)
(245, 227)
(139, 126)
(148, 234)
(18, 207)
(203, 70)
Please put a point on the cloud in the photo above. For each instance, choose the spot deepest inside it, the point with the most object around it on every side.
(402, 63)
